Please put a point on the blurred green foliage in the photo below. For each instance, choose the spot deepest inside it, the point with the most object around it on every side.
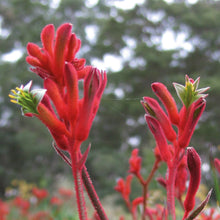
(133, 35)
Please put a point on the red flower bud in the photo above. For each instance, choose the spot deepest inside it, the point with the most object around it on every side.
(54, 93)
(193, 117)
(51, 120)
(135, 162)
(164, 95)
(94, 85)
(124, 187)
(194, 165)
(159, 136)
(71, 82)
(153, 108)
(181, 178)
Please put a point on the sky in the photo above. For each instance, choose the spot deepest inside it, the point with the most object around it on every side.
(168, 39)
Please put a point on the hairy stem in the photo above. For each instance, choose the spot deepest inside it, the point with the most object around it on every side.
(145, 187)
(78, 187)
(93, 195)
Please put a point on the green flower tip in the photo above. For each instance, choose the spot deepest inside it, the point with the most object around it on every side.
(190, 92)
(28, 100)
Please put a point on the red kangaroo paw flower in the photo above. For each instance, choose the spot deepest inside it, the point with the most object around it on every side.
(164, 95)
(194, 165)
(35, 51)
(73, 48)
(135, 162)
(54, 93)
(49, 61)
(124, 187)
(217, 164)
(50, 120)
(94, 85)
(162, 181)
(47, 38)
(71, 81)
(195, 113)
(153, 108)
(181, 178)
(136, 202)
(159, 136)
(60, 48)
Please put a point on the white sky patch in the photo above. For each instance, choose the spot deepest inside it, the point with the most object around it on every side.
(205, 167)
(119, 93)
(91, 3)
(12, 56)
(91, 33)
(55, 3)
(155, 16)
(4, 33)
(126, 4)
(130, 122)
(134, 141)
(170, 41)
(109, 62)
(126, 53)
(187, 1)
(5, 118)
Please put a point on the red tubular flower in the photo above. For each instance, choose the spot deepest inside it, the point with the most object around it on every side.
(195, 113)
(194, 165)
(40, 193)
(94, 85)
(124, 187)
(71, 82)
(181, 178)
(164, 95)
(41, 215)
(159, 136)
(135, 162)
(49, 61)
(51, 120)
(153, 108)
(136, 202)
(54, 93)
(22, 204)
(217, 164)
(56, 201)
(4, 210)
(66, 193)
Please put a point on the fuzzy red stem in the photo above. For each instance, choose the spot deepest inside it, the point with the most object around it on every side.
(78, 186)
(145, 186)
(93, 195)
(172, 170)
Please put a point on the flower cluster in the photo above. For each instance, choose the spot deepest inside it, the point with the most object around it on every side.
(36, 203)
(59, 105)
(171, 142)
(68, 113)
(170, 147)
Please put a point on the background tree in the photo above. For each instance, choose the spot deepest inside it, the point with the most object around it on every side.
(151, 41)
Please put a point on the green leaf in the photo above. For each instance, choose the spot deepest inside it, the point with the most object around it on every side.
(198, 210)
